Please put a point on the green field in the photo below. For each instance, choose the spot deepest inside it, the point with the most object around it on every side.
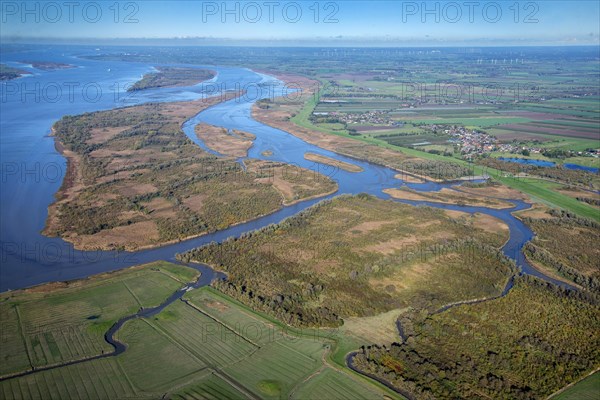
(539, 190)
(586, 389)
(481, 122)
(207, 346)
(69, 324)
(542, 191)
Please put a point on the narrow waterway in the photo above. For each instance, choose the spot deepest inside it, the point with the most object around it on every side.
(28, 258)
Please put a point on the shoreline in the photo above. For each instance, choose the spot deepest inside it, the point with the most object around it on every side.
(285, 78)
(70, 178)
(185, 83)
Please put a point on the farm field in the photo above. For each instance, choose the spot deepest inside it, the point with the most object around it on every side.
(539, 190)
(453, 275)
(586, 389)
(205, 345)
(64, 322)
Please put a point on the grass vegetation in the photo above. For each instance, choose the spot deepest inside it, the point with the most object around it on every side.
(7, 73)
(545, 192)
(330, 161)
(586, 389)
(57, 323)
(206, 346)
(341, 259)
(171, 77)
(448, 196)
(496, 349)
(584, 179)
(567, 245)
(232, 143)
(295, 117)
(135, 180)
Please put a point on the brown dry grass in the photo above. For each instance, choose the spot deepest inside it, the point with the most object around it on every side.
(380, 329)
(482, 221)
(130, 237)
(234, 144)
(160, 207)
(284, 178)
(392, 245)
(501, 192)
(368, 226)
(448, 196)
(537, 211)
(145, 226)
(330, 161)
(101, 135)
(409, 178)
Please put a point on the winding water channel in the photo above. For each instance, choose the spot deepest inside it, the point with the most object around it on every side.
(28, 111)
(28, 258)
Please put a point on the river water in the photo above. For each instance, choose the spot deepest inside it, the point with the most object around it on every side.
(32, 170)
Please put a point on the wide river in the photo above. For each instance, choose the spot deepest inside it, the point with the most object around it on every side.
(32, 170)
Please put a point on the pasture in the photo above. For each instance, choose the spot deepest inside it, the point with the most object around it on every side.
(586, 389)
(43, 327)
(203, 346)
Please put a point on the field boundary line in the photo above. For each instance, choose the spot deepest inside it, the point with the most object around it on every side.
(235, 384)
(204, 372)
(21, 333)
(172, 277)
(134, 389)
(570, 385)
(294, 350)
(288, 329)
(132, 294)
(195, 307)
(343, 368)
(323, 366)
(161, 332)
(311, 103)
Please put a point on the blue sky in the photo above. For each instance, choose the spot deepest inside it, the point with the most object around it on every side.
(545, 22)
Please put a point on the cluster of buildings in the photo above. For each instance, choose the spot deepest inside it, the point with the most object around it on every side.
(474, 142)
(470, 141)
(367, 117)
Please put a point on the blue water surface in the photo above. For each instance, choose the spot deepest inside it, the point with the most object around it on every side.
(33, 170)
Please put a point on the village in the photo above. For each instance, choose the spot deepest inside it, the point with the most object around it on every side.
(473, 142)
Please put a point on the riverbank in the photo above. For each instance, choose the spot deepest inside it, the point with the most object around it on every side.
(168, 77)
(141, 183)
(149, 351)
